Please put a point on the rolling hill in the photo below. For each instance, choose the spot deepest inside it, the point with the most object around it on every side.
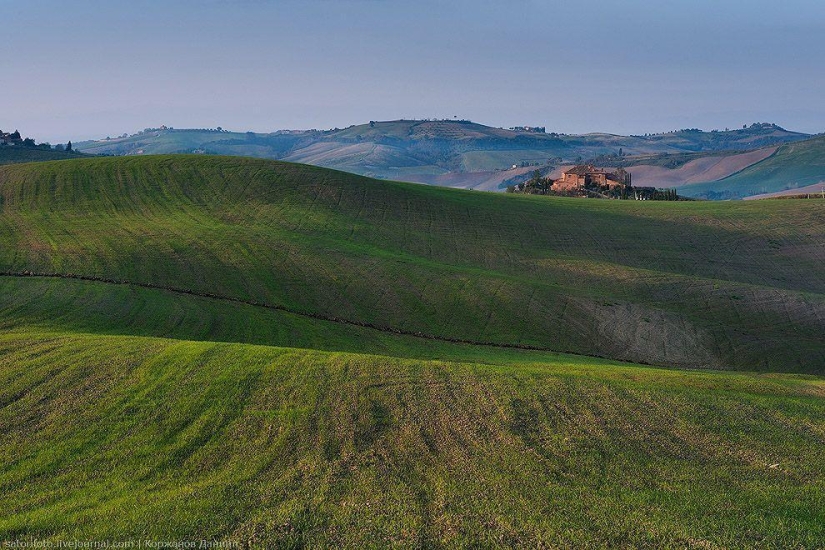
(452, 153)
(215, 348)
(667, 171)
(680, 285)
(792, 166)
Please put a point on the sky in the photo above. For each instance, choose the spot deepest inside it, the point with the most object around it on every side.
(91, 68)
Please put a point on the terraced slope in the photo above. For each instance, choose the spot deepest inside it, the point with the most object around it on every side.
(689, 284)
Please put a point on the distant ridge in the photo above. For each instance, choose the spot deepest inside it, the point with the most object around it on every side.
(455, 153)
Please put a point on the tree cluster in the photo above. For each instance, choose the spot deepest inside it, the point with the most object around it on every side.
(15, 139)
(536, 185)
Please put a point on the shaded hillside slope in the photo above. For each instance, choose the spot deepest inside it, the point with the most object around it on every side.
(96, 307)
(687, 284)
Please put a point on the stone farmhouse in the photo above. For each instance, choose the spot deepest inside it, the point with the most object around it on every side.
(588, 176)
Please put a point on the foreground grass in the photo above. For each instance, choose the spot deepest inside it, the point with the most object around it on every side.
(119, 437)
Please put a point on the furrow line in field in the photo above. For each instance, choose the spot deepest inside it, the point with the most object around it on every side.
(285, 309)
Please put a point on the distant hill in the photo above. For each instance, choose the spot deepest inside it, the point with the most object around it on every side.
(793, 166)
(679, 169)
(755, 136)
(447, 152)
(18, 154)
(15, 148)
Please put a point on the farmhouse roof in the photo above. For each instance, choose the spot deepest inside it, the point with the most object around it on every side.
(583, 170)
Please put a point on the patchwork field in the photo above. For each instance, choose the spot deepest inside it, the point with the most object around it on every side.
(214, 348)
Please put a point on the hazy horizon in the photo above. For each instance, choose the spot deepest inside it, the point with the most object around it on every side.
(94, 69)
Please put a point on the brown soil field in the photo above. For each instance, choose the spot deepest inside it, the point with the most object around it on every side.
(697, 171)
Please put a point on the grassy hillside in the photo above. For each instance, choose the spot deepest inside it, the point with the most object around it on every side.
(755, 136)
(78, 306)
(690, 284)
(195, 390)
(793, 166)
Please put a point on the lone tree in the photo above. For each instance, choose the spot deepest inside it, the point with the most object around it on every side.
(69, 147)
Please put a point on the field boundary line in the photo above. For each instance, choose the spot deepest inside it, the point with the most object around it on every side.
(307, 314)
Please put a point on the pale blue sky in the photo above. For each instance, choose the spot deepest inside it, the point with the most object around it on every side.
(85, 68)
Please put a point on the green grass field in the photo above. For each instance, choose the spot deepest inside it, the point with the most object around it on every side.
(690, 284)
(108, 437)
(219, 381)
